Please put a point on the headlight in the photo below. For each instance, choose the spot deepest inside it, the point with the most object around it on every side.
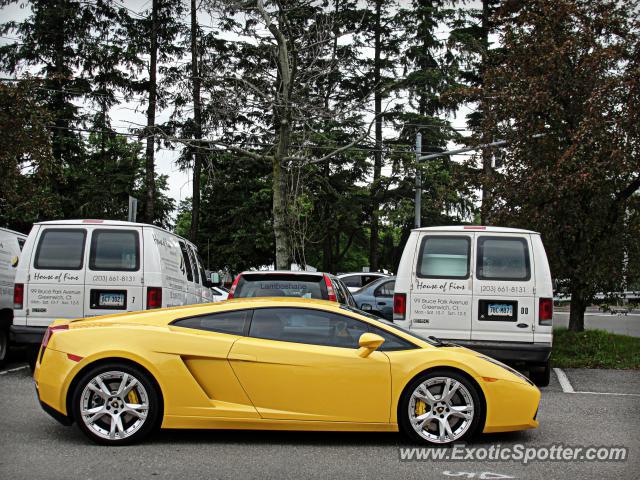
(508, 368)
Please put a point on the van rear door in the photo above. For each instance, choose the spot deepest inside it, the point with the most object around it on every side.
(56, 277)
(503, 288)
(114, 271)
(442, 286)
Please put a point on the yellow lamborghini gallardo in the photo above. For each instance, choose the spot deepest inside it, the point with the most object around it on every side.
(271, 363)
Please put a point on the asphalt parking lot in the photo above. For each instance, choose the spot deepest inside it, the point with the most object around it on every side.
(33, 445)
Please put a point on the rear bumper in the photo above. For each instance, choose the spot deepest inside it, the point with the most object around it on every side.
(59, 416)
(24, 335)
(510, 351)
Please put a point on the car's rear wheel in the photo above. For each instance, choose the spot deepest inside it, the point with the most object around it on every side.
(4, 344)
(440, 407)
(116, 404)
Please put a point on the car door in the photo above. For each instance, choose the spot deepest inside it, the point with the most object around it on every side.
(56, 277)
(504, 288)
(383, 295)
(302, 364)
(113, 281)
(442, 286)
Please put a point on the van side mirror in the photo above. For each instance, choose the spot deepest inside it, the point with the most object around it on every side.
(369, 343)
(214, 279)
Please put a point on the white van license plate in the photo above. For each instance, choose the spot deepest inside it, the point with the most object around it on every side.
(111, 299)
(500, 310)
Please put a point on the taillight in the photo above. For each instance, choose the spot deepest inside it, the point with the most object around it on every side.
(399, 306)
(154, 297)
(545, 311)
(232, 291)
(18, 296)
(331, 293)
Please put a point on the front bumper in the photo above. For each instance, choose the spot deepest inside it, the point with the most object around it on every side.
(510, 351)
(24, 335)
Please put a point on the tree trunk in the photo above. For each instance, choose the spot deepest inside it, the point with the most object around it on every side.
(377, 155)
(150, 175)
(487, 170)
(578, 307)
(197, 125)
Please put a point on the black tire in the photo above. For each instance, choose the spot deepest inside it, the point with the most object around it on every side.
(541, 375)
(404, 422)
(4, 345)
(154, 412)
(32, 355)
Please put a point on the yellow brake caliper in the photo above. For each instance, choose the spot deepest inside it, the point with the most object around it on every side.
(133, 397)
(421, 408)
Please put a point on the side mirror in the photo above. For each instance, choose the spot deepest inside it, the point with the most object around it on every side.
(214, 279)
(369, 343)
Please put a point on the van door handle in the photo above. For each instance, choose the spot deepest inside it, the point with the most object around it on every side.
(243, 357)
(382, 303)
(522, 325)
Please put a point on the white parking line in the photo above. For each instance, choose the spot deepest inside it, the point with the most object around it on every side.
(612, 393)
(564, 381)
(4, 372)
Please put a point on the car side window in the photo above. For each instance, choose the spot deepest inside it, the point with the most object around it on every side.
(233, 323)
(61, 249)
(391, 342)
(503, 258)
(353, 281)
(303, 325)
(386, 289)
(337, 288)
(444, 257)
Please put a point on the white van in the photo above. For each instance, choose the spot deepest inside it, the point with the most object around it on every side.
(11, 244)
(486, 288)
(85, 268)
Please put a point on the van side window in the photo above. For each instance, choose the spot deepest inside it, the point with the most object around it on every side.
(187, 262)
(503, 258)
(60, 249)
(21, 242)
(444, 257)
(115, 250)
(194, 264)
(203, 274)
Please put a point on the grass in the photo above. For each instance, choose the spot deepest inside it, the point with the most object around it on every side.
(594, 349)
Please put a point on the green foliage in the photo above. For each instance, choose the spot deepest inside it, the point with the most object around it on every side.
(575, 181)
(594, 349)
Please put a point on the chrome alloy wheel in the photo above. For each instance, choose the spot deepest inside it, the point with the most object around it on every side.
(441, 410)
(114, 405)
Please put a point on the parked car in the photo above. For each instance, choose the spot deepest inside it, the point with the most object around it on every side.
(285, 283)
(84, 268)
(488, 288)
(272, 363)
(219, 293)
(11, 244)
(356, 280)
(377, 297)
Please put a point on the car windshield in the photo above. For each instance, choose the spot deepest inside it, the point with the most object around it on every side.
(391, 324)
(281, 285)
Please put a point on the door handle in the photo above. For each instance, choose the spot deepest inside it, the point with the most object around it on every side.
(242, 357)
(522, 325)
(382, 303)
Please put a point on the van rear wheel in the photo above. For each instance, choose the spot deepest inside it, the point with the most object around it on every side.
(541, 375)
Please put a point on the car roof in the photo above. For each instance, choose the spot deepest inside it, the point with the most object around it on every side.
(471, 228)
(363, 273)
(283, 272)
(21, 235)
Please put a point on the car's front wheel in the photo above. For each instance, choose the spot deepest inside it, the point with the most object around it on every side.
(440, 407)
(116, 404)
